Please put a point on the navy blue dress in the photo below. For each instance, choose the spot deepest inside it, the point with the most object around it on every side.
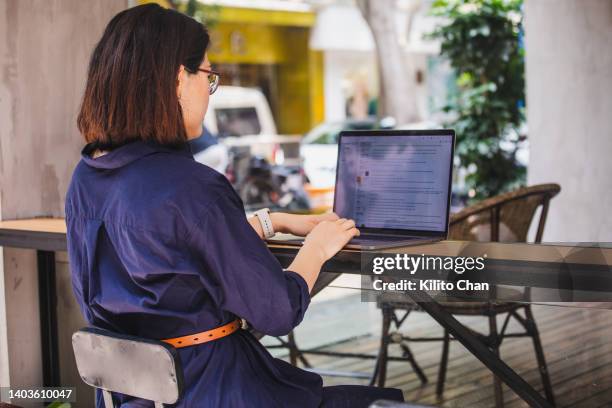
(159, 247)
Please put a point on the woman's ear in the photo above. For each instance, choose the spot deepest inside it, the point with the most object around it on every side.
(180, 81)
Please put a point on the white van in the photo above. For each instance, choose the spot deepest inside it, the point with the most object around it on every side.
(242, 117)
(235, 111)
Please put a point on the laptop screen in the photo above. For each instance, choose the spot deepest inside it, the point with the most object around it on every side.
(397, 181)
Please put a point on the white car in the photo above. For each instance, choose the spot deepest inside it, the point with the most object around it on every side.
(235, 111)
(319, 150)
(319, 147)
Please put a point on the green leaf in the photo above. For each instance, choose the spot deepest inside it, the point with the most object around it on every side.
(481, 41)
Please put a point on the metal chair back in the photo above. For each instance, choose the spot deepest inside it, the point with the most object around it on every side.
(134, 366)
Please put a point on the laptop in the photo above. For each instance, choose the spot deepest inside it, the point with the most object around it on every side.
(395, 184)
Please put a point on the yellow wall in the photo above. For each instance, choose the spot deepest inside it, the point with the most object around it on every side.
(246, 44)
(253, 36)
(316, 85)
(163, 3)
(300, 70)
(266, 17)
(297, 104)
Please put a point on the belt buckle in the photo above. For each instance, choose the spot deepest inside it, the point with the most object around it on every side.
(244, 325)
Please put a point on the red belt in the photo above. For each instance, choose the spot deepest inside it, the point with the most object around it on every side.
(205, 336)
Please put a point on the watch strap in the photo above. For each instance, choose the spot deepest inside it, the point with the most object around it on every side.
(263, 216)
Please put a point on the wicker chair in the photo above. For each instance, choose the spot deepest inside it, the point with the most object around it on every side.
(503, 218)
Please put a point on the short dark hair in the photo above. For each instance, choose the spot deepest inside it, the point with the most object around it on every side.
(132, 78)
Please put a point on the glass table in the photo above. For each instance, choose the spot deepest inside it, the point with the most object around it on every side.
(577, 275)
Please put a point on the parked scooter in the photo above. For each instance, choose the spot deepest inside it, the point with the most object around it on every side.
(260, 184)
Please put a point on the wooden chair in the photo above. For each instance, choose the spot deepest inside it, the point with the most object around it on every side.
(503, 218)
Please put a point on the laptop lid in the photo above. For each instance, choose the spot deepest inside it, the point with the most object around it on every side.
(395, 181)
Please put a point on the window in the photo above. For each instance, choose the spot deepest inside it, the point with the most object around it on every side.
(237, 121)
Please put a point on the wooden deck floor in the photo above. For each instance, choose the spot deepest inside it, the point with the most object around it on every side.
(577, 344)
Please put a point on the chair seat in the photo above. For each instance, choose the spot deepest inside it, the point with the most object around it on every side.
(457, 305)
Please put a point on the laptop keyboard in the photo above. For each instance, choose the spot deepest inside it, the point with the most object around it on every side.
(377, 239)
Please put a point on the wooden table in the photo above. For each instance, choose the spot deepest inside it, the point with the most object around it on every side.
(45, 235)
(573, 268)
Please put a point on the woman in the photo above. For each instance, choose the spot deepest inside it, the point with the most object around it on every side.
(159, 245)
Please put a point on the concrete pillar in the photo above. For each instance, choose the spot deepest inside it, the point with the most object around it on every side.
(569, 112)
(44, 51)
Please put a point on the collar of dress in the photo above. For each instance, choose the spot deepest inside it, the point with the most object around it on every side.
(130, 152)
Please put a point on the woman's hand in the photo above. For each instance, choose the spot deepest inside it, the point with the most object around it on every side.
(329, 237)
(299, 225)
(325, 239)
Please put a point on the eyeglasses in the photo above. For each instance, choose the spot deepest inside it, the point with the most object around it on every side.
(213, 80)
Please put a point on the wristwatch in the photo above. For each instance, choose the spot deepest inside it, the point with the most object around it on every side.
(263, 216)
